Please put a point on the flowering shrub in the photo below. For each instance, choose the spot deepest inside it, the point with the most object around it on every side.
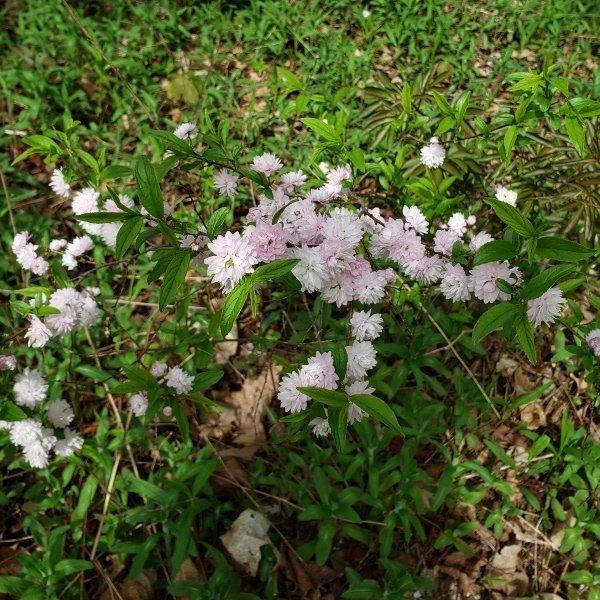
(323, 237)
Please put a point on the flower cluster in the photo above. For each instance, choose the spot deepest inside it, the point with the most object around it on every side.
(27, 256)
(34, 435)
(72, 309)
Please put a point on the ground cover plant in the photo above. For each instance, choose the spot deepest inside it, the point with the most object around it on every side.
(299, 300)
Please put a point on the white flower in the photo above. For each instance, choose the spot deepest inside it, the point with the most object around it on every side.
(57, 245)
(414, 219)
(139, 404)
(355, 413)
(38, 334)
(433, 154)
(185, 131)
(226, 183)
(179, 380)
(69, 445)
(320, 427)
(310, 271)
(70, 304)
(505, 195)
(58, 184)
(361, 358)
(267, 163)
(35, 440)
(455, 283)
(366, 326)
(366, 13)
(60, 414)
(30, 388)
(444, 241)
(458, 223)
(546, 308)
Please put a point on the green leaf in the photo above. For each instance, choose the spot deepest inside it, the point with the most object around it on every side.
(329, 397)
(115, 172)
(525, 337)
(216, 221)
(493, 318)
(322, 129)
(33, 291)
(289, 80)
(377, 409)
(103, 217)
(233, 305)
(496, 250)
(127, 234)
(205, 380)
(406, 99)
(357, 158)
(338, 423)
(446, 124)
(173, 143)
(14, 585)
(510, 137)
(11, 412)
(174, 278)
(513, 218)
(462, 105)
(69, 566)
(443, 104)
(274, 269)
(148, 189)
(182, 542)
(325, 541)
(576, 134)
(558, 249)
(579, 577)
(544, 281)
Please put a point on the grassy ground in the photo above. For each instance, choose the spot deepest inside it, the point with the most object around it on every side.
(469, 502)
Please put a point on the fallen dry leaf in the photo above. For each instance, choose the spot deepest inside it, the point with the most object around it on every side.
(246, 536)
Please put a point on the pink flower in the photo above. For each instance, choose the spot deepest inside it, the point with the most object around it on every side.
(455, 283)
(320, 427)
(444, 240)
(158, 369)
(226, 183)
(269, 242)
(267, 164)
(414, 219)
(361, 358)
(7, 362)
(480, 239)
(546, 308)
(233, 258)
(593, 341)
(343, 225)
(482, 280)
(38, 334)
(292, 181)
(139, 404)
(366, 326)
(179, 380)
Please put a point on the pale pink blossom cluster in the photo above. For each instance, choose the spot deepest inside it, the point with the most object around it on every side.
(74, 309)
(32, 435)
